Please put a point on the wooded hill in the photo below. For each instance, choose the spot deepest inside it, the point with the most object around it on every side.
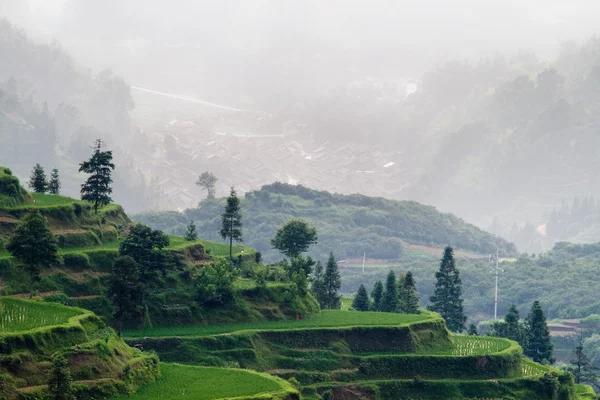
(89, 245)
(349, 225)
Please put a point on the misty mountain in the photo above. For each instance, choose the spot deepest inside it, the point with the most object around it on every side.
(52, 110)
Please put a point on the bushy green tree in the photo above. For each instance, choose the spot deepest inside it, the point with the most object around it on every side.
(54, 184)
(361, 300)
(126, 292)
(33, 245)
(377, 295)
(318, 286)
(208, 181)
(214, 284)
(231, 221)
(191, 234)
(294, 238)
(37, 181)
(97, 188)
(60, 381)
(389, 301)
(446, 299)
(147, 247)
(408, 296)
(538, 343)
(332, 283)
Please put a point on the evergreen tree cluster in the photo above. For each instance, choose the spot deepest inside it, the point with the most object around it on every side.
(396, 296)
(532, 334)
(327, 283)
(40, 184)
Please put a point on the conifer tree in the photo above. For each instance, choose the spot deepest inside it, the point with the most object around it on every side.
(447, 296)
(37, 181)
(318, 286)
(60, 381)
(472, 331)
(582, 367)
(54, 184)
(231, 221)
(33, 245)
(389, 301)
(408, 296)
(125, 291)
(377, 295)
(97, 188)
(511, 327)
(332, 283)
(361, 300)
(538, 343)
(191, 234)
(514, 328)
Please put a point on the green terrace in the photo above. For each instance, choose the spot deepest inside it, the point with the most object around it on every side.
(325, 319)
(176, 243)
(184, 382)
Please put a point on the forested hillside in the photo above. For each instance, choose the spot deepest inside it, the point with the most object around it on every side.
(564, 280)
(52, 110)
(350, 225)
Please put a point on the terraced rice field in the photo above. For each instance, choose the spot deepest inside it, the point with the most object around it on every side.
(471, 346)
(18, 315)
(179, 382)
(530, 368)
(325, 319)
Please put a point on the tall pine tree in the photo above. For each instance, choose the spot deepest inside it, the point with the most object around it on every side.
(37, 181)
(538, 343)
(191, 234)
(514, 328)
(361, 300)
(332, 283)
(408, 296)
(389, 301)
(33, 245)
(54, 184)
(97, 188)
(318, 285)
(446, 299)
(377, 295)
(231, 221)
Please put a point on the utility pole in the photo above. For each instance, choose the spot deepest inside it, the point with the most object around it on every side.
(496, 273)
(364, 257)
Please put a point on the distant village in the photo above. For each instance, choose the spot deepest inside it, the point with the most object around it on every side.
(176, 154)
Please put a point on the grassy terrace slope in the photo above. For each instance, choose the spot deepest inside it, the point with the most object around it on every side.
(179, 382)
(33, 333)
(325, 319)
(354, 355)
(350, 224)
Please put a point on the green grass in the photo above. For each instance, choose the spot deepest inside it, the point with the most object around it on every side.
(531, 368)
(347, 302)
(213, 248)
(472, 346)
(325, 319)
(177, 243)
(20, 315)
(179, 382)
(47, 200)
